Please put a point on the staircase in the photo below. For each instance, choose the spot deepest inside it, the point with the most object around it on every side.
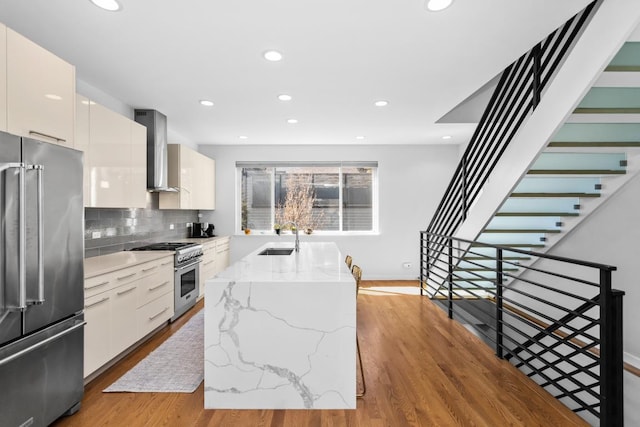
(527, 179)
(592, 155)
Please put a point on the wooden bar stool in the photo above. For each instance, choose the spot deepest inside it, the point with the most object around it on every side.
(357, 274)
(348, 260)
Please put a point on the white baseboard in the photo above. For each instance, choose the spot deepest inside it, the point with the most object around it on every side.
(390, 277)
(632, 360)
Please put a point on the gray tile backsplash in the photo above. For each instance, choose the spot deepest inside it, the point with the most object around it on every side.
(122, 229)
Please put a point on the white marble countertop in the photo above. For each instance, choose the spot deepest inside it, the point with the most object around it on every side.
(316, 262)
(102, 264)
(201, 240)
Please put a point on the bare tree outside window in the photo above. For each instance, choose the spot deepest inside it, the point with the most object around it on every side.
(298, 205)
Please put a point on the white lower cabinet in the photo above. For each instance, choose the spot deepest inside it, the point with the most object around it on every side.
(124, 305)
(215, 258)
(123, 315)
(97, 332)
(222, 254)
(208, 265)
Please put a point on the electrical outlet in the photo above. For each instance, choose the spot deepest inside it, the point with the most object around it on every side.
(171, 226)
(96, 235)
(406, 265)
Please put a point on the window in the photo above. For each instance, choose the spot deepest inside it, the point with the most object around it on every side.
(326, 197)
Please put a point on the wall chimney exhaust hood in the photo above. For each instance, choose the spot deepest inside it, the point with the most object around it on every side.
(157, 160)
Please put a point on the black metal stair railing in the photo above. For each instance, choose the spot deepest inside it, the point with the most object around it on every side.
(557, 319)
(517, 94)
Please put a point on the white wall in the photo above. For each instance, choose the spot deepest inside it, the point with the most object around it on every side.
(611, 235)
(411, 179)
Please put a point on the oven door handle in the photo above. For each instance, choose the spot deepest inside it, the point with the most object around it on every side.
(188, 265)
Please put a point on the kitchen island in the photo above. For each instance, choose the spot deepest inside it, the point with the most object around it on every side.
(280, 331)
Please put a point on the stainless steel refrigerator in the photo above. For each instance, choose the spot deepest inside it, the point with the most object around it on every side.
(41, 281)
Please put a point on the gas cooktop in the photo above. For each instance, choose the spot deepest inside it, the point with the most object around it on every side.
(164, 246)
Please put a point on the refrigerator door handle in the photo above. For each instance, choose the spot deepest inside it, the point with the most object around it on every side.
(40, 226)
(39, 344)
(22, 231)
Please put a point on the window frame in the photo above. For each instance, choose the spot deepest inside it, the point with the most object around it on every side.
(280, 164)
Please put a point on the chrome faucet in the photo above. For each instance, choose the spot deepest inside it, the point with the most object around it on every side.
(297, 238)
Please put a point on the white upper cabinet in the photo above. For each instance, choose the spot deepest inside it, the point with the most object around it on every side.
(109, 160)
(3, 78)
(193, 174)
(138, 165)
(115, 159)
(40, 92)
(82, 140)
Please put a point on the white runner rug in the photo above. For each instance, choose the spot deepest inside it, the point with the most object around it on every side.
(177, 366)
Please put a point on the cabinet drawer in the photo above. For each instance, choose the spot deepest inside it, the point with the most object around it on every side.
(154, 267)
(154, 286)
(222, 246)
(154, 314)
(207, 261)
(108, 281)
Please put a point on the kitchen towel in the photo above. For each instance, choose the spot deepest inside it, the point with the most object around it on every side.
(177, 366)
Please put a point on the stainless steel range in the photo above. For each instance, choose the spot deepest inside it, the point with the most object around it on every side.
(186, 265)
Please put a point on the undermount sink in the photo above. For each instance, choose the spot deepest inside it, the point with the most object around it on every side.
(276, 251)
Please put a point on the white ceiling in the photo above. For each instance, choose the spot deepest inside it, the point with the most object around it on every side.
(339, 57)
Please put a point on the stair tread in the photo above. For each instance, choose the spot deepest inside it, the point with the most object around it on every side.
(622, 68)
(555, 195)
(510, 245)
(613, 110)
(576, 172)
(537, 214)
(489, 258)
(522, 230)
(594, 144)
(484, 269)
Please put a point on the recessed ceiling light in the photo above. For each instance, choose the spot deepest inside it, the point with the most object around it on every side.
(359, 137)
(284, 97)
(53, 96)
(272, 55)
(292, 121)
(381, 103)
(446, 137)
(437, 5)
(243, 137)
(206, 103)
(110, 5)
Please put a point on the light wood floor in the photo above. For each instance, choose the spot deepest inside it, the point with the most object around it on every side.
(421, 369)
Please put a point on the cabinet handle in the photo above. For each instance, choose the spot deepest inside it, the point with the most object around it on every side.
(167, 263)
(127, 276)
(126, 291)
(97, 302)
(156, 315)
(96, 286)
(149, 269)
(55, 138)
(159, 286)
(208, 262)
